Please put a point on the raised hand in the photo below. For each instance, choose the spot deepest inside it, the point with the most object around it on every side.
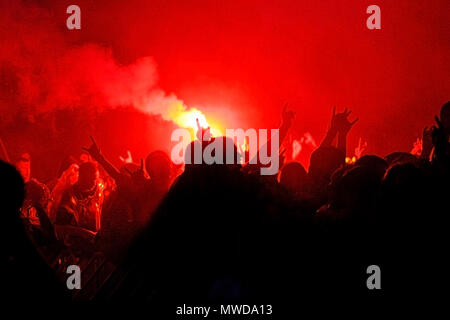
(438, 122)
(95, 153)
(332, 131)
(287, 116)
(128, 159)
(333, 121)
(93, 150)
(340, 122)
(203, 134)
(360, 148)
(438, 132)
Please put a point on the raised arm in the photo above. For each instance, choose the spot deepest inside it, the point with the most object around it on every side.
(331, 132)
(344, 126)
(96, 154)
(339, 126)
(287, 117)
(440, 138)
(427, 143)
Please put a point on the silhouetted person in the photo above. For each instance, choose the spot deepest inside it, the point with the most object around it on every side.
(440, 138)
(81, 204)
(324, 161)
(401, 157)
(374, 163)
(340, 127)
(27, 276)
(293, 176)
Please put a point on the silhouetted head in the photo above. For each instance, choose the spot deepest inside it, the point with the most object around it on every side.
(400, 157)
(402, 175)
(324, 161)
(196, 150)
(66, 163)
(36, 194)
(158, 166)
(356, 189)
(230, 151)
(12, 190)
(293, 176)
(87, 176)
(375, 163)
(23, 165)
(445, 116)
(403, 184)
(189, 154)
(403, 187)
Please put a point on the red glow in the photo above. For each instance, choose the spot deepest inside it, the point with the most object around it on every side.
(235, 62)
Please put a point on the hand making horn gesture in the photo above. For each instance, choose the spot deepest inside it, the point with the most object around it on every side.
(340, 122)
(93, 150)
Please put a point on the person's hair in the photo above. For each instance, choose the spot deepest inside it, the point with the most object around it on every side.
(158, 164)
(400, 157)
(87, 169)
(293, 175)
(66, 163)
(374, 163)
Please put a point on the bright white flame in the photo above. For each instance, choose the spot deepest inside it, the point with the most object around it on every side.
(187, 118)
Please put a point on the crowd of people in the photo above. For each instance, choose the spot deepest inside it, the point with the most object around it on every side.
(226, 233)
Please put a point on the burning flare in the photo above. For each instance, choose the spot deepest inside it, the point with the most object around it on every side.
(187, 118)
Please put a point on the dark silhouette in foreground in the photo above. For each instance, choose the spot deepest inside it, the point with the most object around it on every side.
(223, 233)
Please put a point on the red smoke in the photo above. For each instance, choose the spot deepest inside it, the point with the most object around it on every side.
(48, 72)
(238, 62)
